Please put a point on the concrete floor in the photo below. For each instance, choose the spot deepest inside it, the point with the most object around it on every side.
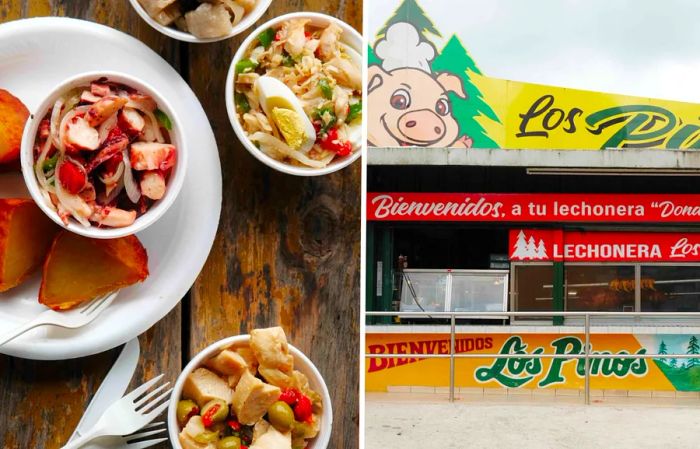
(408, 421)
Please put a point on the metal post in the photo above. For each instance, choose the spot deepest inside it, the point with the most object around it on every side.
(452, 358)
(587, 360)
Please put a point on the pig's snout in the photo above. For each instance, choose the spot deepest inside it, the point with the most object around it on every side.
(422, 126)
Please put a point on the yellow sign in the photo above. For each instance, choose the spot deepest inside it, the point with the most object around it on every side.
(543, 117)
(636, 373)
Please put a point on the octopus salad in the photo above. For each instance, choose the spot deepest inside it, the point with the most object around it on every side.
(103, 155)
(298, 94)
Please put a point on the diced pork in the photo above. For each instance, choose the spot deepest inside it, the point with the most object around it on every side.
(152, 156)
(252, 398)
(209, 21)
(273, 439)
(89, 97)
(113, 217)
(153, 184)
(228, 363)
(103, 109)
(203, 385)
(275, 377)
(100, 90)
(131, 121)
(271, 349)
(80, 135)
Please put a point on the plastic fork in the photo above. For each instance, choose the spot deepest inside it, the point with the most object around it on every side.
(129, 414)
(133, 441)
(70, 319)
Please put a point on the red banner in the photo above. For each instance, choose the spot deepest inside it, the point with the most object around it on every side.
(556, 245)
(534, 207)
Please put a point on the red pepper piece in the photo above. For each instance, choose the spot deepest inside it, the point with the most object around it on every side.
(290, 396)
(72, 176)
(303, 411)
(235, 425)
(207, 417)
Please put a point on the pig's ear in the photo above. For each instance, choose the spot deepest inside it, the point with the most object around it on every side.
(375, 74)
(452, 83)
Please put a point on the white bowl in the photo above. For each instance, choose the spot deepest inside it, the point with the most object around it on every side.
(175, 181)
(350, 37)
(249, 19)
(301, 363)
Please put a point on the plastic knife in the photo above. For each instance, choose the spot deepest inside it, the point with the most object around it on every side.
(112, 388)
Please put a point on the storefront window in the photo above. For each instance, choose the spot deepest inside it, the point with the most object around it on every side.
(603, 288)
(533, 287)
(474, 292)
(423, 291)
(670, 288)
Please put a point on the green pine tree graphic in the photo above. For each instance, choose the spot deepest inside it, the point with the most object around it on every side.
(694, 349)
(663, 350)
(454, 58)
(409, 11)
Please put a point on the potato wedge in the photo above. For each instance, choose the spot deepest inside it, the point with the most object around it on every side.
(25, 237)
(13, 116)
(78, 268)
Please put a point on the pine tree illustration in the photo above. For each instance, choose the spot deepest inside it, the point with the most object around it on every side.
(531, 248)
(663, 350)
(541, 250)
(694, 349)
(673, 363)
(409, 11)
(455, 59)
(520, 247)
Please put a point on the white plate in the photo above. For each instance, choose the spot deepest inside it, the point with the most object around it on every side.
(37, 54)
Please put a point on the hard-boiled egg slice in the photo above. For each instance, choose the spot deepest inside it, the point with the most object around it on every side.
(285, 112)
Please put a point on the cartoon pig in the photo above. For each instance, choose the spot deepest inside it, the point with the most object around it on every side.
(408, 105)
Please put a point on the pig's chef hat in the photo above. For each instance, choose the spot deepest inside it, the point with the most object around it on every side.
(402, 46)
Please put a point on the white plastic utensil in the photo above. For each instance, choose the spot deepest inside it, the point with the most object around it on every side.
(129, 414)
(133, 441)
(70, 319)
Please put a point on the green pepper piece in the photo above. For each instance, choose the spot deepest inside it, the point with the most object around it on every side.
(246, 65)
(287, 60)
(355, 111)
(163, 119)
(266, 37)
(326, 88)
(50, 163)
(319, 115)
(241, 102)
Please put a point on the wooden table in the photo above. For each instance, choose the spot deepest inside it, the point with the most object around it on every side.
(287, 252)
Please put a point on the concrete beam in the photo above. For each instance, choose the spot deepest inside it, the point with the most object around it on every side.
(611, 158)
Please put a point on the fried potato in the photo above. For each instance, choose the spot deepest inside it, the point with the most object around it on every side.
(13, 116)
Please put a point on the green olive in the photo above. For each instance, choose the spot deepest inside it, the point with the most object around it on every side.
(185, 409)
(206, 437)
(281, 416)
(218, 427)
(301, 430)
(229, 443)
(220, 413)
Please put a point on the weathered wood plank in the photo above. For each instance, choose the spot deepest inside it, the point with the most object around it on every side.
(42, 402)
(287, 251)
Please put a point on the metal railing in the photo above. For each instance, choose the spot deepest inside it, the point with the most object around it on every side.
(587, 355)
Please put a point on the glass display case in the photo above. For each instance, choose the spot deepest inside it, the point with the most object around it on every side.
(454, 290)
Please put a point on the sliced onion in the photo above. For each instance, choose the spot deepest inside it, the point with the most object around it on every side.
(106, 126)
(281, 147)
(106, 199)
(132, 189)
(112, 179)
(55, 118)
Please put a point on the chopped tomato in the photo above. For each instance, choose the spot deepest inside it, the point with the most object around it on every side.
(303, 410)
(290, 396)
